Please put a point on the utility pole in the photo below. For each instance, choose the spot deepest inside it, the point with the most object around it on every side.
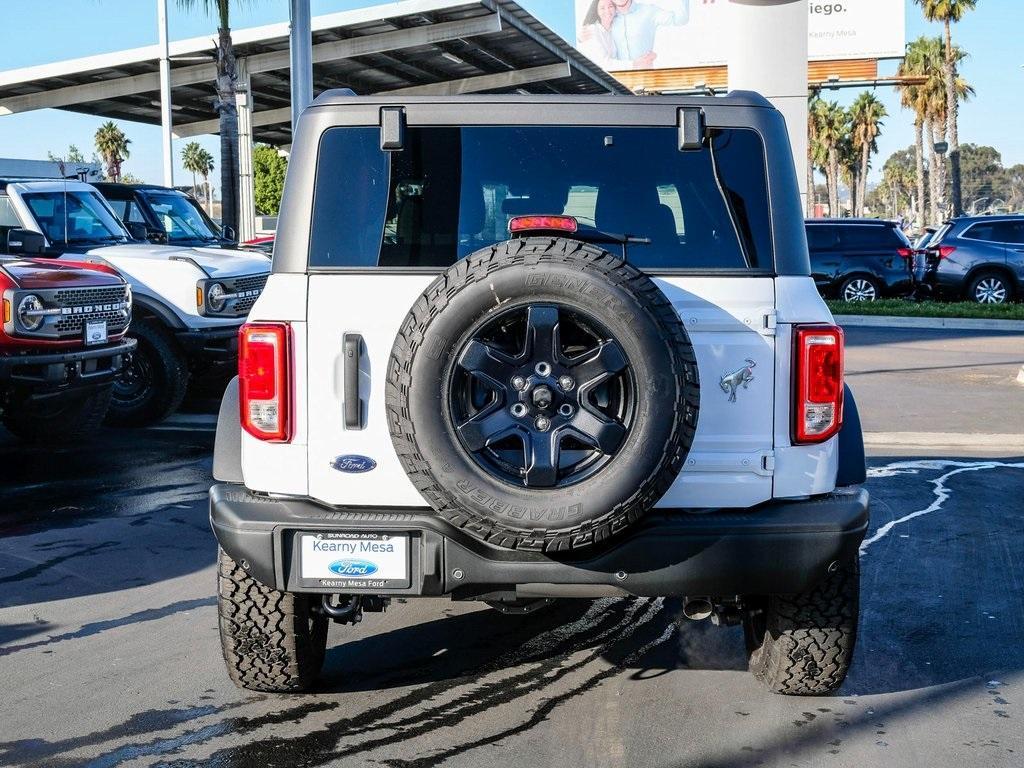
(301, 50)
(767, 53)
(165, 93)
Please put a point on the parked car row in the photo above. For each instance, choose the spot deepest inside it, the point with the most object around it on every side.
(978, 259)
(74, 277)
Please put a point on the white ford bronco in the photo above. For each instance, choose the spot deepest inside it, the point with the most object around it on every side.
(188, 303)
(524, 349)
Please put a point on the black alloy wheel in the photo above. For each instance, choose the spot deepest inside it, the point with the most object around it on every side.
(541, 396)
(131, 387)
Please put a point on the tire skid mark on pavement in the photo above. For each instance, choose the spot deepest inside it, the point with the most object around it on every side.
(548, 653)
(541, 712)
(546, 642)
(941, 491)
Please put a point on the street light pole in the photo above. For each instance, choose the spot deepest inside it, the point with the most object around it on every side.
(165, 93)
(301, 50)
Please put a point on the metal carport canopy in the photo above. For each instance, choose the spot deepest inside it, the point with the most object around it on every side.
(410, 47)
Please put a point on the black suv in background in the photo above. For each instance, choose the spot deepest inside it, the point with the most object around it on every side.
(859, 259)
(978, 258)
(164, 215)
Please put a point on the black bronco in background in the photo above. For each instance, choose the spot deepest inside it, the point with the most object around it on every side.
(520, 349)
(165, 216)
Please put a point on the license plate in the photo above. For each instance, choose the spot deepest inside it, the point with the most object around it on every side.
(95, 332)
(354, 560)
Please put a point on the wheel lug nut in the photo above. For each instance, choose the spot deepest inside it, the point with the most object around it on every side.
(519, 383)
(543, 423)
(566, 382)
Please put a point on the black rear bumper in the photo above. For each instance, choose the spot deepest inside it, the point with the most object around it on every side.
(59, 371)
(218, 344)
(780, 547)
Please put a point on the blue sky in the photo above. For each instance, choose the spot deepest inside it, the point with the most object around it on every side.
(33, 33)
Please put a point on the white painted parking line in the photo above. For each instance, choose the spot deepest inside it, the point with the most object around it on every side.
(1002, 441)
(942, 493)
(187, 422)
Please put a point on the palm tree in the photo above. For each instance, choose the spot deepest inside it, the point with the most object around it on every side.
(916, 64)
(227, 76)
(191, 160)
(950, 12)
(205, 165)
(849, 169)
(833, 129)
(866, 117)
(112, 145)
(816, 152)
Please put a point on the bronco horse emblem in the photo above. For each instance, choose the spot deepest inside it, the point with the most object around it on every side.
(732, 381)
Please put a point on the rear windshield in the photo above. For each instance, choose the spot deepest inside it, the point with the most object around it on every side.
(452, 191)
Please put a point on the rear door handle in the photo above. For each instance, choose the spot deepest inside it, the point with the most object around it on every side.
(353, 407)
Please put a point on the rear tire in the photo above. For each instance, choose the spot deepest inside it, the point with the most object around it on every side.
(803, 644)
(153, 383)
(70, 419)
(857, 288)
(272, 640)
(990, 288)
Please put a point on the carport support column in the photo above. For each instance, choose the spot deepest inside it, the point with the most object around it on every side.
(301, 59)
(165, 94)
(246, 194)
(767, 53)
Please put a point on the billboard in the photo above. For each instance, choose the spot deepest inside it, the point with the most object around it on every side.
(658, 34)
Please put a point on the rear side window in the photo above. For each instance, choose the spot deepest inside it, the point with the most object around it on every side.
(451, 191)
(822, 237)
(996, 232)
(867, 237)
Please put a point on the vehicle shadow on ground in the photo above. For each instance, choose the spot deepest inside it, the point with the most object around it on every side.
(485, 640)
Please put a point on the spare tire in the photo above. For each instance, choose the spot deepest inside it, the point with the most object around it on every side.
(542, 394)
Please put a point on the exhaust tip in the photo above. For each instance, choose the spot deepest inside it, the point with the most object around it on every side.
(697, 608)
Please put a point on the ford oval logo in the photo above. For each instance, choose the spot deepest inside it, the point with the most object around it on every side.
(353, 464)
(352, 568)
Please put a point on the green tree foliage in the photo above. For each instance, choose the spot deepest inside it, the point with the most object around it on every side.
(112, 145)
(949, 12)
(268, 168)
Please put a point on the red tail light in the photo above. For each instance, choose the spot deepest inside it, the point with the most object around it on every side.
(818, 388)
(945, 251)
(906, 253)
(264, 380)
(528, 223)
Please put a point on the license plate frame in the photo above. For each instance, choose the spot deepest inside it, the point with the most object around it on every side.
(95, 332)
(342, 560)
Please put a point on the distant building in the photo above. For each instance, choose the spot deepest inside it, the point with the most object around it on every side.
(49, 169)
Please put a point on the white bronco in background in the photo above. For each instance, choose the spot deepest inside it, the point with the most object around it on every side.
(188, 303)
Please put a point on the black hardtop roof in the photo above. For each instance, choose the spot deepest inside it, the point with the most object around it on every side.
(342, 96)
(140, 185)
(853, 221)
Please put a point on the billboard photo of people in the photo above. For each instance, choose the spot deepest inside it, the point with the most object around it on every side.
(622, 34)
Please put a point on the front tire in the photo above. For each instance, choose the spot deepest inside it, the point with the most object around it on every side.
(153, 383)
(990, 288)
(74, 417)
(272, 641)
(802, 645)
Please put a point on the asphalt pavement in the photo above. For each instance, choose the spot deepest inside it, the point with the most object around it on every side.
(109, 653)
